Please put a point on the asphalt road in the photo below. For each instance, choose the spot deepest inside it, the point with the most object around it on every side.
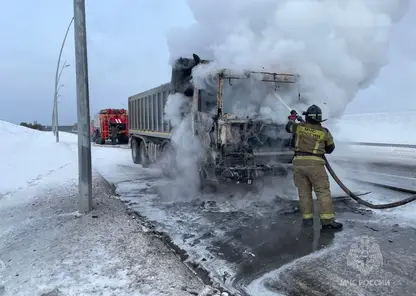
(383, 173)
(252, 243)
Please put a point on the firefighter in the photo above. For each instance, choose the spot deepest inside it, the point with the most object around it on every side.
(312, 141)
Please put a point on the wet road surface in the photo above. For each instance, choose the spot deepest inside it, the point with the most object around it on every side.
(398, 175)
(252, 243)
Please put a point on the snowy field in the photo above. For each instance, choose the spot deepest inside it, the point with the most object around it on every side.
(46, 248)
(392, 128)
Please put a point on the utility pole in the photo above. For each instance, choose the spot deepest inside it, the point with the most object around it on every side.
(83, 106)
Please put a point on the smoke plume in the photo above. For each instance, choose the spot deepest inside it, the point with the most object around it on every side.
(337, 47)
(188, 149)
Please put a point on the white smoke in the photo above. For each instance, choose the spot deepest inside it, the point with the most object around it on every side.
(188, 149)
(338, 47)
(176, 105)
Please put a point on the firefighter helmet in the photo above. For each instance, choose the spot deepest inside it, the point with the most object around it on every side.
(313, 114)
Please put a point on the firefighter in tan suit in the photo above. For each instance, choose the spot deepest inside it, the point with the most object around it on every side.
(312, 141)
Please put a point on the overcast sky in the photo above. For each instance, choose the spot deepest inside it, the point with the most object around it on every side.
(128, 54)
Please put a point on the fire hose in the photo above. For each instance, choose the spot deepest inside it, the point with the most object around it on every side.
(345, 188)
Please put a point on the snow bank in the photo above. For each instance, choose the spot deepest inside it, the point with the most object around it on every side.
(397, 128)
(29, 155)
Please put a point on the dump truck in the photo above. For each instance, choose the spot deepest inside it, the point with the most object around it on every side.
(110, 124)
(239, 147)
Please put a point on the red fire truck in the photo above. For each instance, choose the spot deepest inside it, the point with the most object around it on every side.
(110, 124)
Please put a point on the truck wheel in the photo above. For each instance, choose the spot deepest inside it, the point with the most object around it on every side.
(167, 161)
(144, 160)
(135, 152)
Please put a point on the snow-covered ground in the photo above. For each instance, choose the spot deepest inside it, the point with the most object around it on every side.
(46, 248)
(396, 128)
(45, 245)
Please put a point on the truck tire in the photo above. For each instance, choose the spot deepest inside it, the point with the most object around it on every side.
(135, 151)
(167, 161)
(144, 159)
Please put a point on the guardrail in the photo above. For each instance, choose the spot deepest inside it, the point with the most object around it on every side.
(381, 144)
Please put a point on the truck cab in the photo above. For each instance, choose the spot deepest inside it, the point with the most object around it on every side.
(241, 144)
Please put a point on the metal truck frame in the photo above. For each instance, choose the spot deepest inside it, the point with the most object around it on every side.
(236, 149)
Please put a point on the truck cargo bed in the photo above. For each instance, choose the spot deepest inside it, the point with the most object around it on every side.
(146, 113)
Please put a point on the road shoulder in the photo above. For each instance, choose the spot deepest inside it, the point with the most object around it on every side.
(46, 247)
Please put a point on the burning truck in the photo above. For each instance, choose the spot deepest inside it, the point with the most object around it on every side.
(240, 144)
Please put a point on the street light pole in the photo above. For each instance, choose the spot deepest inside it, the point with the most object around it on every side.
(65, 65)
(56, 123)
(62, 69)
(56, 112)
(83, 108)
(55, 107)
(53, 117)
(62, 85)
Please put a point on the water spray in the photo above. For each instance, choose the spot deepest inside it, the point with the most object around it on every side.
(345, 188)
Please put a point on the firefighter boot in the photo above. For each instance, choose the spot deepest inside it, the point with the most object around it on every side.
(331, 225)
(307, 222)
